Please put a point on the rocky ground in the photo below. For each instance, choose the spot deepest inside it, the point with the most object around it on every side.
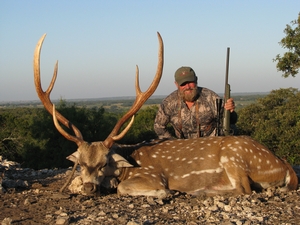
(32, 197)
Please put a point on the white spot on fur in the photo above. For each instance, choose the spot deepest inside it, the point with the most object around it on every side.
(217, 170)
(224, 159)
(154, 156)
(185, 175)
(141, 153)
(183, 159)
(138, 162)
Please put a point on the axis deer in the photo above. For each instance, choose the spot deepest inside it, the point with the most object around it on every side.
(213, 165)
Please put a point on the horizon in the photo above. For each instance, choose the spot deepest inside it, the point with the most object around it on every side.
(124, 97)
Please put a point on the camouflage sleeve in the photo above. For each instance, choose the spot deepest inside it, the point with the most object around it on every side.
(160, 123)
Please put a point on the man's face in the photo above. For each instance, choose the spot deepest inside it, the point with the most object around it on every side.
(188, 91)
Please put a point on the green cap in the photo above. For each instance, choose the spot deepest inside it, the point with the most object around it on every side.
(185, 74)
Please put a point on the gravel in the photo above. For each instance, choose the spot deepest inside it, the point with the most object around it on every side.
(32, 197)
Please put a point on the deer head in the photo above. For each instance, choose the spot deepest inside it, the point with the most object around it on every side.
(92, 157)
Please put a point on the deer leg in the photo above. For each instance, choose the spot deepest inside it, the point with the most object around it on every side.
(245, 184)
(239, 180)
(143, 186)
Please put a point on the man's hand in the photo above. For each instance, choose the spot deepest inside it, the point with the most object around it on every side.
(229, 105)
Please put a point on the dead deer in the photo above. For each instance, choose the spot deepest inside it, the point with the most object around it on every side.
(212, 165)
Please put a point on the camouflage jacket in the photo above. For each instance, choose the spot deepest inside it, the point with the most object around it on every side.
(186, 122)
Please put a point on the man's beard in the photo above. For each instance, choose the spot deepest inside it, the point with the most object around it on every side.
(189, 96)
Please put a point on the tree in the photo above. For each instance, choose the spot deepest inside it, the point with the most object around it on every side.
(289, 63)
(275, 122)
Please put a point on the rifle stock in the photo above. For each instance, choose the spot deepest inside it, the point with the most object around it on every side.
(226, 118)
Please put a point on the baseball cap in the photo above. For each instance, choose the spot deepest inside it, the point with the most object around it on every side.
(185, 74)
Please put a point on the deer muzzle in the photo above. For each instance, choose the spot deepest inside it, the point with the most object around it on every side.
(89, 188)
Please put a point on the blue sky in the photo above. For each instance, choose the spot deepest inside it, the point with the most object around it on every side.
(98, 44)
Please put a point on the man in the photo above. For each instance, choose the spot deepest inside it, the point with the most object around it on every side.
(191, 110)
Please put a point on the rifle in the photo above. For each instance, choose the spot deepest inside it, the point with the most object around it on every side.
(226, 118)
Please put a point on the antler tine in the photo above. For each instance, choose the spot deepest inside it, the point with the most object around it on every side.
(45, 96)
(141, 97)
(62, 131)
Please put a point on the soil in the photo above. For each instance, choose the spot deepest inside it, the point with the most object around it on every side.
(33, 197)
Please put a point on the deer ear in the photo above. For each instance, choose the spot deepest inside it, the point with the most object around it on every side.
(120, 161)
(74, 157)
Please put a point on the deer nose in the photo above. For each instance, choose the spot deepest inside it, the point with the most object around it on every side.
(89, 188)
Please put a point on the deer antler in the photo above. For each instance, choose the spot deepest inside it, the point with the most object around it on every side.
(45, 95)
(141, 97)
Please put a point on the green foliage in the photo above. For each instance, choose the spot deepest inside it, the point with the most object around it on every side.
(275, 121)
(289, 63)
(142, 128)
(15, 132)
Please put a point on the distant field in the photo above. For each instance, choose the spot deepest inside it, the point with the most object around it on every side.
(121, 104)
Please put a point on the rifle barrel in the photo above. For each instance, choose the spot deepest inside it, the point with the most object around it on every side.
(226, 123)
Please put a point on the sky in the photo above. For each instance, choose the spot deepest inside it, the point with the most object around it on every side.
(99, 43)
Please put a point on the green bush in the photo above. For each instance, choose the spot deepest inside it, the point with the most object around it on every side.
(275, 122)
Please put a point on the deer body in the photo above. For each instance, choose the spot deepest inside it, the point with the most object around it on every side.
(213, 165)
